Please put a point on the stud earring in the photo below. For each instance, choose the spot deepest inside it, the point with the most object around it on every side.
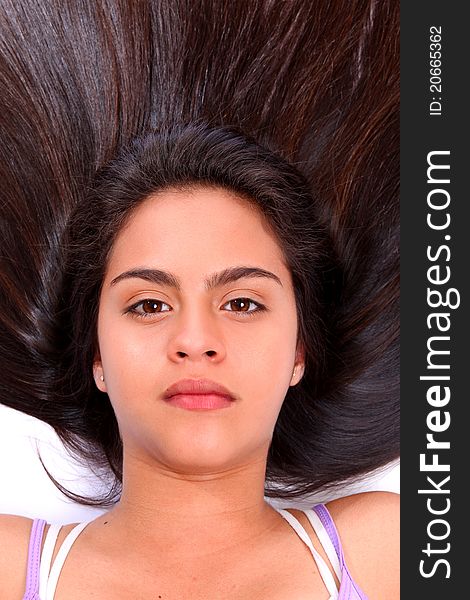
(102, 377)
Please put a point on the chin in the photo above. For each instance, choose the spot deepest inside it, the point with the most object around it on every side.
(200, 459)
(203, 459)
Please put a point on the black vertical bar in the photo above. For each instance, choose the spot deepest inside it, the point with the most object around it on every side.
(434, 253)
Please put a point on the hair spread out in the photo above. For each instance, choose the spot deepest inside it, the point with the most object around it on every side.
(291, 105)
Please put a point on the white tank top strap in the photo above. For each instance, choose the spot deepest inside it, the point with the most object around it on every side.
(325, 540)
(323, 569)
(46, 557)
(50, 579)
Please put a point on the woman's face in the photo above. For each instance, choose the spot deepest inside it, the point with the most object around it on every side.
(152, 333)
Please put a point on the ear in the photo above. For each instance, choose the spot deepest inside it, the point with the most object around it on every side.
(98, 374)
(299, 365)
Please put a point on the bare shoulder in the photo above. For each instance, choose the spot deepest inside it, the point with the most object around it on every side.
(369, 527)
(14, 542)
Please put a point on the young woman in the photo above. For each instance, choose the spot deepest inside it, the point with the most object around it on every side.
(211, 328)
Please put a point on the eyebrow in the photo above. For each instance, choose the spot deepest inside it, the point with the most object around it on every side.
(214, 280)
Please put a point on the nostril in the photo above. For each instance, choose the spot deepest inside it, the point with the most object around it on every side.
(182, 354)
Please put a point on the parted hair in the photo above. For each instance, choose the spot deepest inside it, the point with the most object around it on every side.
(293, 106)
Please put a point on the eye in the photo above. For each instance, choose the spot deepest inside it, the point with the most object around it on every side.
(243, 306)
(146, 308)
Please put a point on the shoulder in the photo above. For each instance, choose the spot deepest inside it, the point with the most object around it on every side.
(14, 542)
(368, 526)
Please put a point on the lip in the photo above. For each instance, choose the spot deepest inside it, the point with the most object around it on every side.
(198, 394)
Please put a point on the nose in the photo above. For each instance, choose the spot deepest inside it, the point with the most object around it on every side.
(196, 337)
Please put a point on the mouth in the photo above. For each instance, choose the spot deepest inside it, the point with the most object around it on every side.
(200, 401)
(198, 394)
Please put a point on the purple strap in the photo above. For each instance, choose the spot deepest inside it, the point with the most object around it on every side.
(349, 589)
(34, 559)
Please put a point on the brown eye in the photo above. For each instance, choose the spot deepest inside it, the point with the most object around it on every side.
(147, 308)
(151, 306)
(241, 306)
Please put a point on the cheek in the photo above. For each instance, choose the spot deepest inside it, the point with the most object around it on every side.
(272, 346)
(266, 371)
(132, 359)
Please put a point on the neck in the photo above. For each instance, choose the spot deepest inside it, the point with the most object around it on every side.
(176, 512)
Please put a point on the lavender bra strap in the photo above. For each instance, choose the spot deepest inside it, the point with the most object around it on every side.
(327, 522)
(349, 588)
(34, 558)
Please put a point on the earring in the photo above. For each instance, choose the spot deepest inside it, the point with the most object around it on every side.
(102, 377)
(293, 372)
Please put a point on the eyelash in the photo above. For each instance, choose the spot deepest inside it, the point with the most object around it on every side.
(138, 315)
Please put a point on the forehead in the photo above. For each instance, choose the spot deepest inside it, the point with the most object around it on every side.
(196, 230)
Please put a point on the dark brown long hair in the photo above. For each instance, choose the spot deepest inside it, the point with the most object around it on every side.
(292, 104)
